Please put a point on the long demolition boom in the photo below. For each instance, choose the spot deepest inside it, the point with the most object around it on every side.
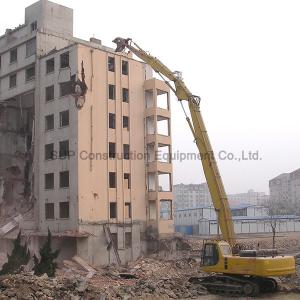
(198, 129)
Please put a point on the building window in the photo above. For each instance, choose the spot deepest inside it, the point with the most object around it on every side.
(49, 122)
(49, 151)
(125, 95)
(64, 148)
(64, 60)
(49, 211)
(112, 121)
(126, 122)
(114, 240)
(166, 209)
(126, 152)
(112, 180)
(30, 73)
(64, 118)
(112, 150)
(49, 93)
(64, 210)
(64, 179)
(30, 47)
(49, 181)
(13, 80)
(66, 88)
(111, 92)
(33, 26)
(113, 210)
(125, 69)
(127, 180)
(127, 210)
(13, 55)
(128, 240)
(111, 64)
(50, 65)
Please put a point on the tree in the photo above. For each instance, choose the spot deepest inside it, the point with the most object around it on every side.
(274, 210)
(46, 264)
(19, 256)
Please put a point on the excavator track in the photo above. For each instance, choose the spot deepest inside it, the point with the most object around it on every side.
(236, 285)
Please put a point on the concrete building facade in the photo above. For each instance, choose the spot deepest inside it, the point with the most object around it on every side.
(90, 165)
(285, 191)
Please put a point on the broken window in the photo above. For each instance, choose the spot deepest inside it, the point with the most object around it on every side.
(49, 211)
(125, 95)
(152, 210)
(127, 180)
(49, 122)
(162, 99)
(64, 210)
(114, 239)
(112, 179)
(127, 210)
(166, 209)
(112, 121)
(30, 47)
(64, 179)
(64, 118)
(113, 210)
(64, 60)
(66, 88)
(13, 81)
(126, 122)
(33, 26)
(111, 64)
(128, 240)
(49, 181)
(49, 151)
(111, 92)
(112, 150)
(125, 69)
(50, 65)
(163, 125)
(126, 151)
(64, 148)
(13, 55)
(164, 182)
(49, 93)
(30, 73)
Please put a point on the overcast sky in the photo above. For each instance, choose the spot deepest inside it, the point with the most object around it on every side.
(241, 57)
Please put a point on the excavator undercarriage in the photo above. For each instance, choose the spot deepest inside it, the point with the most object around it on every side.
(231, 285)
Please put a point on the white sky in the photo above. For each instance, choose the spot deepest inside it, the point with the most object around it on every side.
(241, 57)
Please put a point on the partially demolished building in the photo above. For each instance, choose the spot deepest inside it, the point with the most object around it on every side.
(85, 142)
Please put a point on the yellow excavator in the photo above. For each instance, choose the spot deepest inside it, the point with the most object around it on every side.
(232, 271)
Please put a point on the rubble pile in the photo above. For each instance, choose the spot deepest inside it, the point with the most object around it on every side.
(144, 278)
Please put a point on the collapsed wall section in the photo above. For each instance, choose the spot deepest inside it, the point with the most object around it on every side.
(16, 125)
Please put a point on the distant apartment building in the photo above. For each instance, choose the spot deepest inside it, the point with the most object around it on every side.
(285, 190)
(84, 164)
(188, 196)
(191, 195)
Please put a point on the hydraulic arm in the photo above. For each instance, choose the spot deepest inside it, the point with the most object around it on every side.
(198, 129)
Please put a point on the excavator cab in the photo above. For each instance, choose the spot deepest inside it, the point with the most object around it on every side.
(210, 254)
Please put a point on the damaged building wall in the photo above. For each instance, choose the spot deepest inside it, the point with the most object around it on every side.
(15, 159)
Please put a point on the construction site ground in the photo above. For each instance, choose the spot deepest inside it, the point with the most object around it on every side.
(159, 276)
